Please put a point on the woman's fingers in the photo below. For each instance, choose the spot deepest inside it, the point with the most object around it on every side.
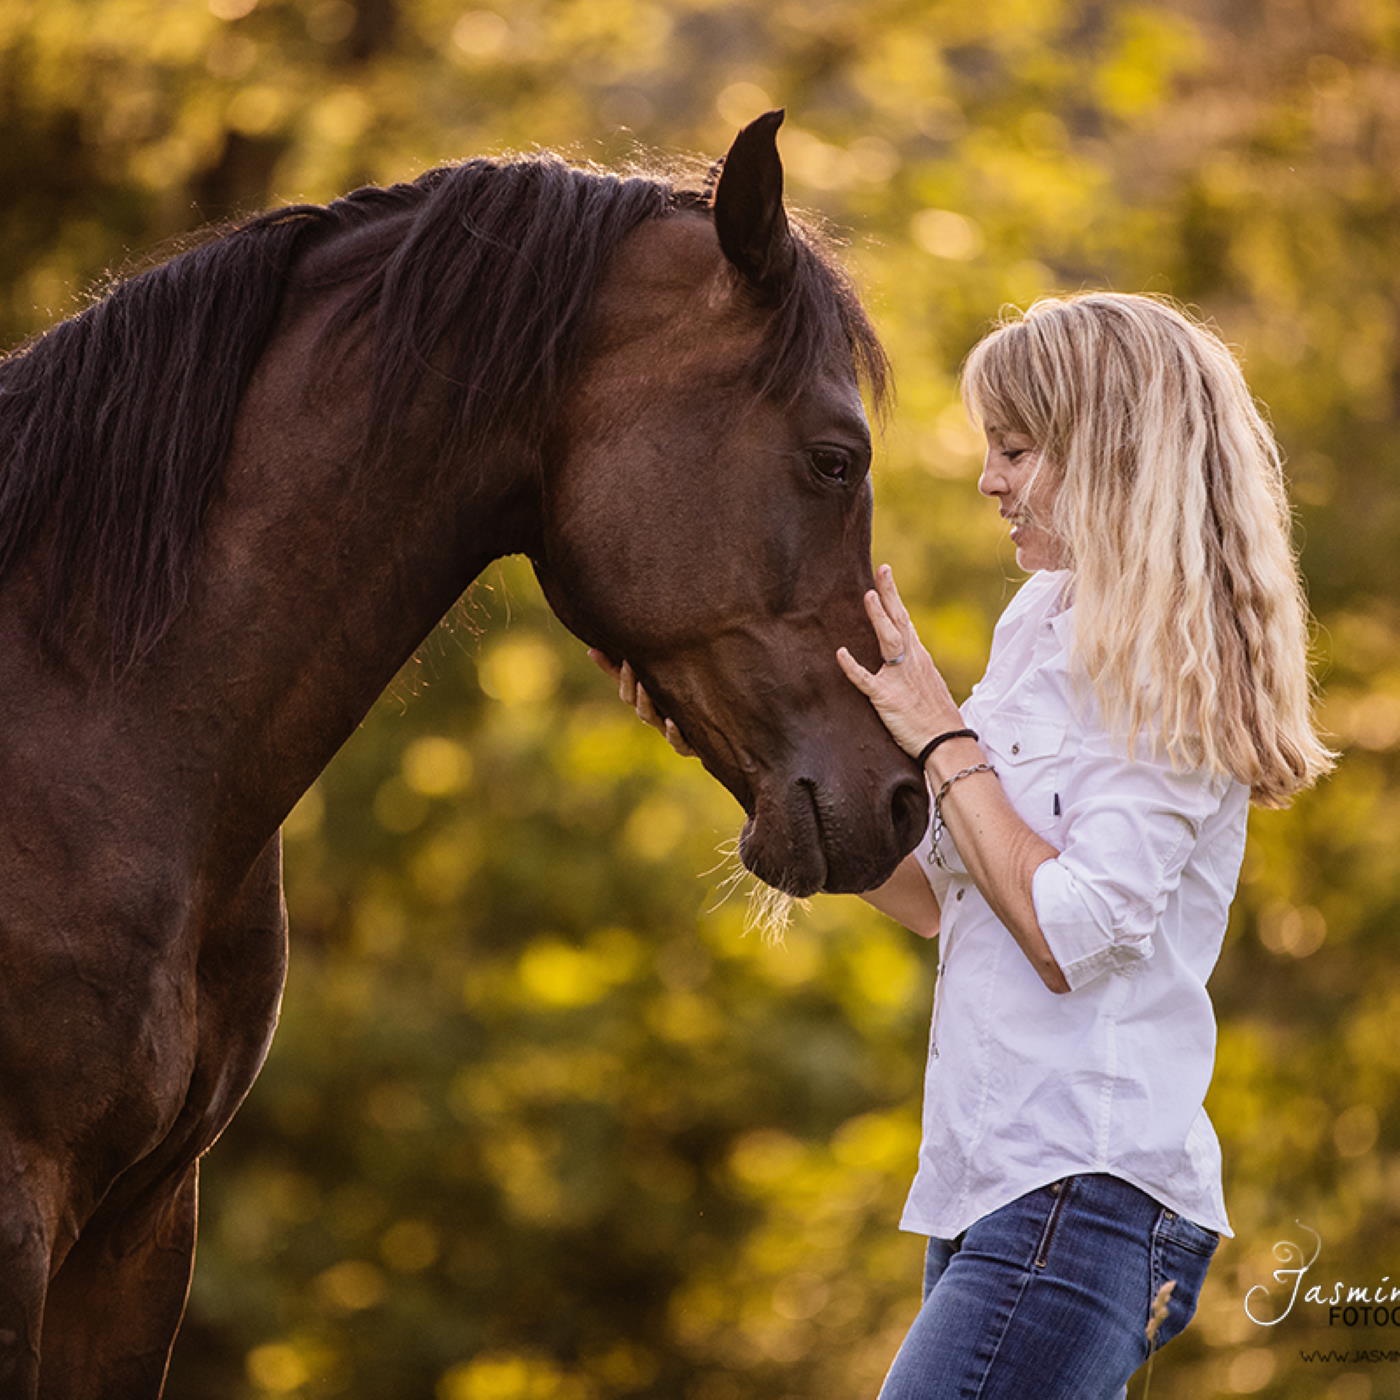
(676, 739)
(634, 693)
(649, 714)
(646, 711)
(891, 639)
(855, 672)
(603, 662)
(912, 698)
(627, 685)
(893, 603)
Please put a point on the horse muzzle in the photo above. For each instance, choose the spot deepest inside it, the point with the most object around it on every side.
(807, 836)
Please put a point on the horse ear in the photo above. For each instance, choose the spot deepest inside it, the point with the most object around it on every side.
(748, 206)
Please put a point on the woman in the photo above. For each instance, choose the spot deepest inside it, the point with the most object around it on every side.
(1090, 798)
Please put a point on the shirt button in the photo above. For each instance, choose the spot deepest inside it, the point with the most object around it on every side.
(1015, 748)
(959, 894)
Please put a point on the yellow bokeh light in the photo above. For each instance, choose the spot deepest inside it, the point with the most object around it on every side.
(481, 34)
(1291, 931)
(502, 1376)
(520, 671)
(1251, 1370)
(1355, 1130)
(947, 234)
(558, 974)
(655, 828)
(883, 972)
(765, 1157)
(436, 767)
(739, 103)
(350, 1286)
(257, 111)
(278, 1368)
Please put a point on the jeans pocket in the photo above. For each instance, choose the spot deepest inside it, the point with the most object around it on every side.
(1179, 1230)
(1181, 1254)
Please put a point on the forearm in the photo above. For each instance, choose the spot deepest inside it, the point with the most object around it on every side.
(1000, 851)
(907, 899)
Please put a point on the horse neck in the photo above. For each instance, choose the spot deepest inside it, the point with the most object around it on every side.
(323, 573)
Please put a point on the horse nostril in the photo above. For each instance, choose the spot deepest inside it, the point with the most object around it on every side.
(909, 810)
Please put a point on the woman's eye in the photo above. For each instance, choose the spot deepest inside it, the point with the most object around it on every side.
(1012, 453)
(831, 463)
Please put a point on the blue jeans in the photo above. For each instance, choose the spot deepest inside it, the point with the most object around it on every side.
(1049, 1296)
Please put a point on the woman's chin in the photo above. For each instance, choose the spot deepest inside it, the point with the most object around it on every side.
(1034, 554)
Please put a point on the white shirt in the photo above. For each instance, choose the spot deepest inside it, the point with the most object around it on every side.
(1025, 1085)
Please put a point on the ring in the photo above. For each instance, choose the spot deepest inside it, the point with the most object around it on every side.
(893, 660)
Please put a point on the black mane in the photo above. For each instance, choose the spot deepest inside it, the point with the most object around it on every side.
(115, 425)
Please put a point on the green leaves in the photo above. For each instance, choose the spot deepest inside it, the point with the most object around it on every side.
(541, 1119)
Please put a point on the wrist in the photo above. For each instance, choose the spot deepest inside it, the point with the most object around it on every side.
(951, 757)
(939, 732)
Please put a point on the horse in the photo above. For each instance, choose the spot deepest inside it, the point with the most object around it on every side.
(237, 492)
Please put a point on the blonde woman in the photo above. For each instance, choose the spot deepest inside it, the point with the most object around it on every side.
(1146, 682)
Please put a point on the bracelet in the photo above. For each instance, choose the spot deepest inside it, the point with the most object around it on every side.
(938, 824)
(937, 739)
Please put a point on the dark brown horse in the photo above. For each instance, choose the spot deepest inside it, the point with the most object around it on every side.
(237, 493)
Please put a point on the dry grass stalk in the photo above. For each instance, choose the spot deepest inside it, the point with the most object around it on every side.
(1156, 1318)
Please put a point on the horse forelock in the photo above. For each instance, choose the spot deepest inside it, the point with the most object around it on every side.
(115, 425)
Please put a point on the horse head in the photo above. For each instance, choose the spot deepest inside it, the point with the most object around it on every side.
(707, 517)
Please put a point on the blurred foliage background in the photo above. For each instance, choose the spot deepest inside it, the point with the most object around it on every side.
(542, 1121)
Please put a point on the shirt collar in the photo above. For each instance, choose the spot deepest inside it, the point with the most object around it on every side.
(1056, 583)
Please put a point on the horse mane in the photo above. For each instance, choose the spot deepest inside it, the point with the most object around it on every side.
(115, 425)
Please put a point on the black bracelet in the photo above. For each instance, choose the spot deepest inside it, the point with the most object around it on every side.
(933, 743)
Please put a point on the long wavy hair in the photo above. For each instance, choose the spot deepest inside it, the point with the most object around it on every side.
(1170, 504)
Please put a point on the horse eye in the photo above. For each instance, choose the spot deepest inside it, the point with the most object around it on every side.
(831, 463)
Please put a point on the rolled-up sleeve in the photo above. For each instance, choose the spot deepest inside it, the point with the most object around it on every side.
(1129, 824)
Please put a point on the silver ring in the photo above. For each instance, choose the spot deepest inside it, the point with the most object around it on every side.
(893, 660)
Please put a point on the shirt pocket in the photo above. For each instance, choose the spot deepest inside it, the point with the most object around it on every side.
(1031, 758)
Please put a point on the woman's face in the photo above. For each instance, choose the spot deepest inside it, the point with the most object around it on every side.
(1006, 478)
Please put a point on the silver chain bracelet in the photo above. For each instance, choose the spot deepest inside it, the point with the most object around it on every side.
(939, 826)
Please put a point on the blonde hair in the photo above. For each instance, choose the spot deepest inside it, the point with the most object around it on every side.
(1169, 501)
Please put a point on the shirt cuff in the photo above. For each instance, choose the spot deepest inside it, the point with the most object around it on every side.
(1079, 945)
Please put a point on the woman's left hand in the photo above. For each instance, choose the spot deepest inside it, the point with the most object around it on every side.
(908, 692)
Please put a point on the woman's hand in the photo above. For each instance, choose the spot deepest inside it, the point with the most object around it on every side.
(908, 692)
(630, 689)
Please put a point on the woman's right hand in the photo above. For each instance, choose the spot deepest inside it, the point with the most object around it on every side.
(632, 692)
